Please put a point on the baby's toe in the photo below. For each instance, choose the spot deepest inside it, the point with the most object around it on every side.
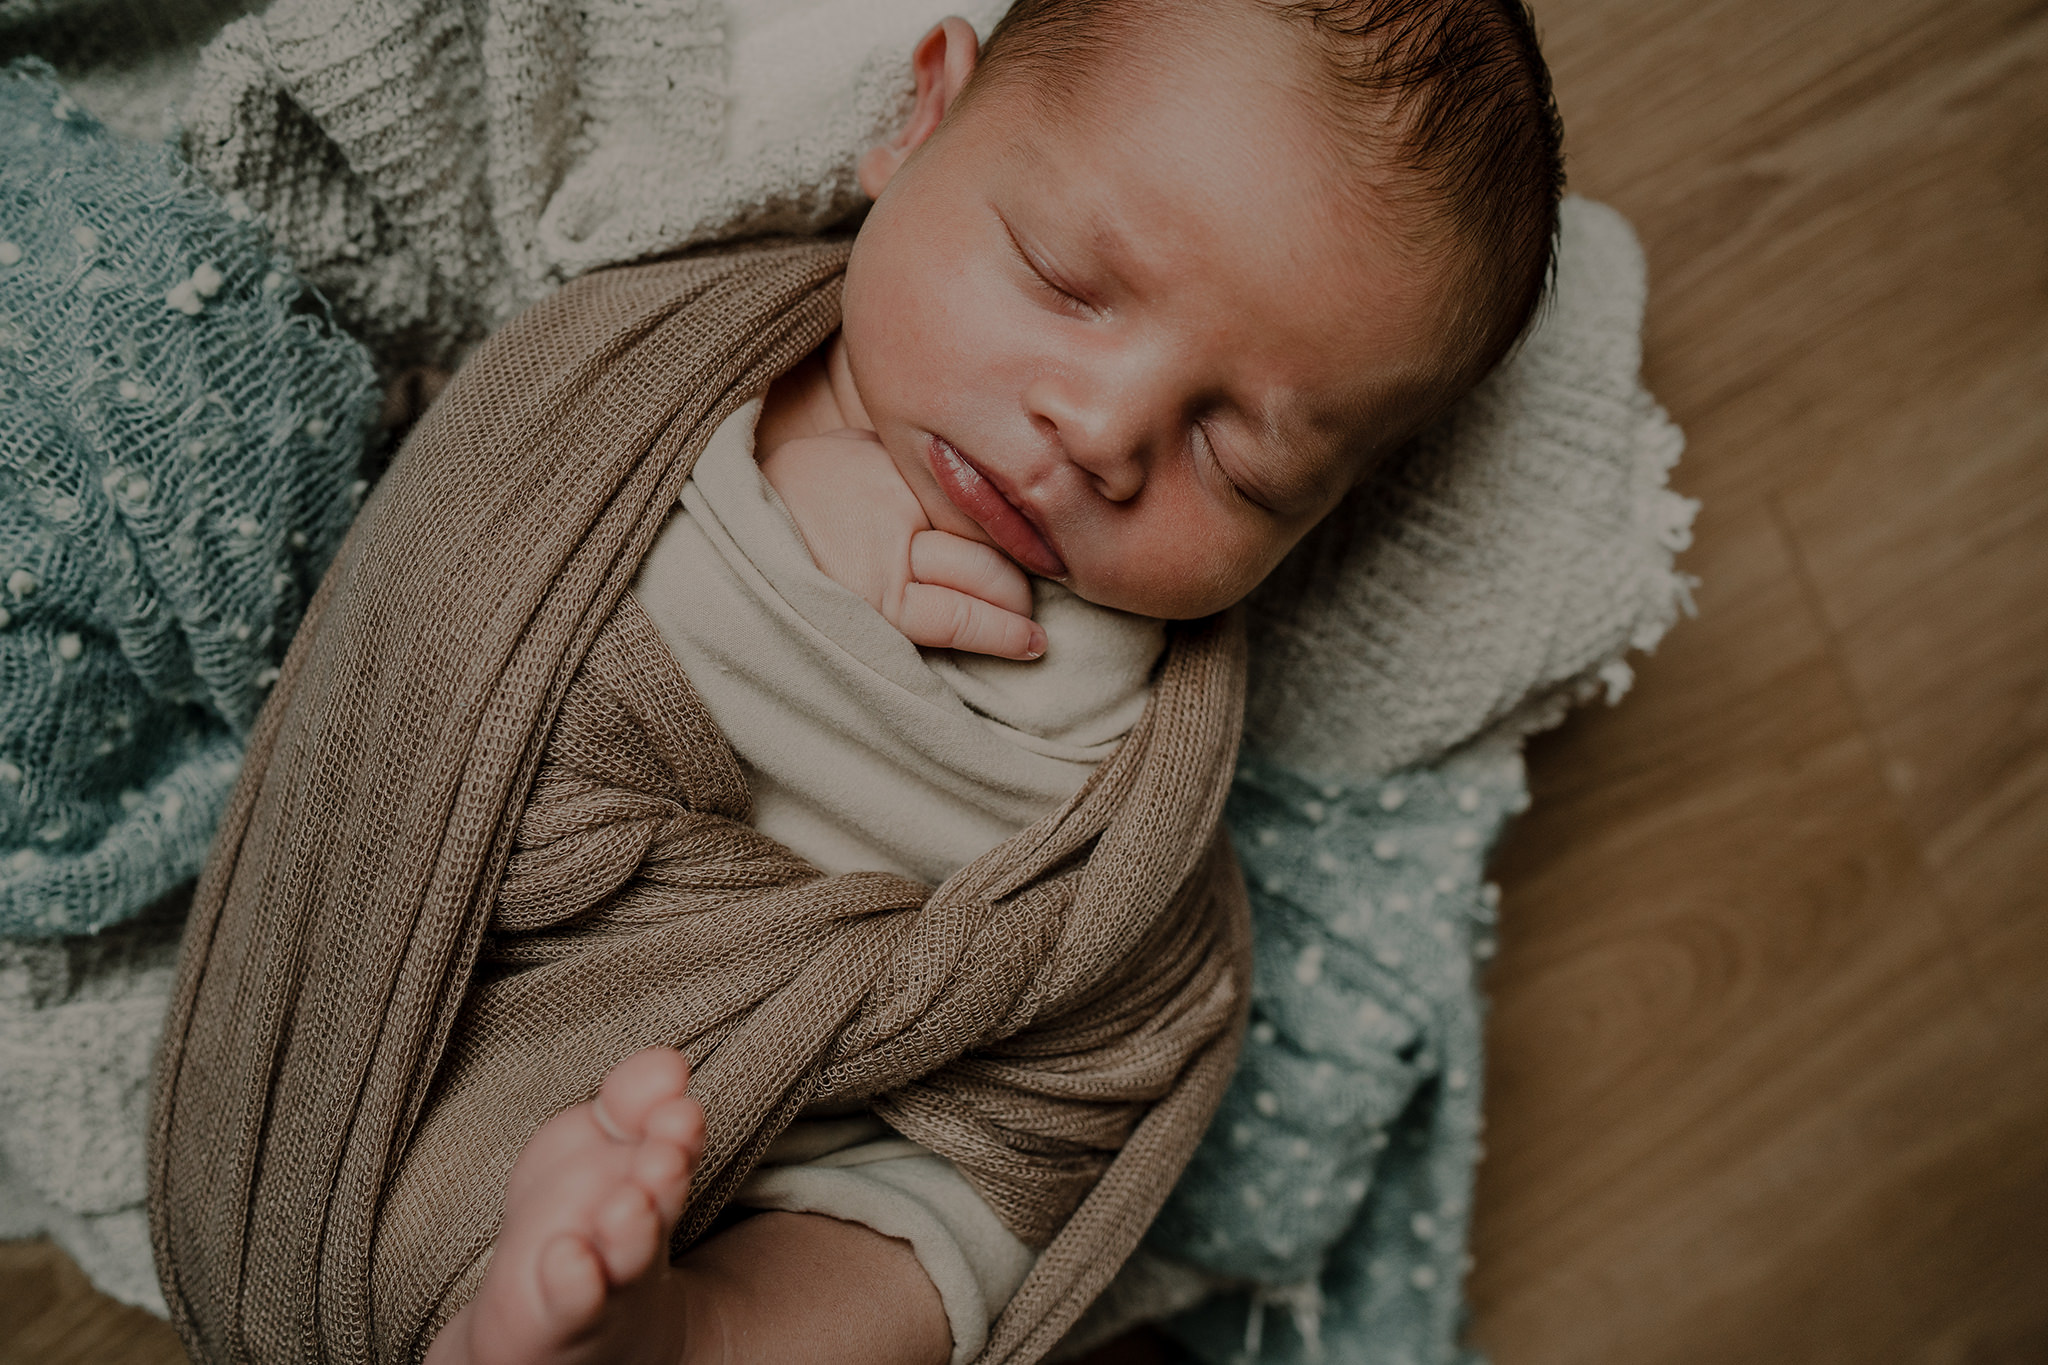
(627, 1231)
(678, 1122)
(663, 1170)
(571, 1281)
(636, 1087)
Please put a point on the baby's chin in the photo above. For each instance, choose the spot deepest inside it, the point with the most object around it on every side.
(1162, 602)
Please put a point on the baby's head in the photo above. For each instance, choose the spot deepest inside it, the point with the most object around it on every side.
(1150, 284)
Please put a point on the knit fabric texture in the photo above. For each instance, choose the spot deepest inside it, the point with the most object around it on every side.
(482, 757)
(1504, 564)
(79, 1019)
(76, 1063)
(437, 165)
(1332, 1198)
(130, 62)
(178, 439)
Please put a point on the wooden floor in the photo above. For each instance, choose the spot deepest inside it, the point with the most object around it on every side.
(1769, 1047)
(51, 1315)
(1770, 1035)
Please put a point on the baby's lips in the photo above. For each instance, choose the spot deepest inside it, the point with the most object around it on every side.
(968, 489)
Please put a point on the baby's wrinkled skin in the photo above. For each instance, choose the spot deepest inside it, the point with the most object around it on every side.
(1141, 348)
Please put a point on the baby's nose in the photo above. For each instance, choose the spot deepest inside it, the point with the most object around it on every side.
(1114, 463)
(1099, 433)
(1103, 441)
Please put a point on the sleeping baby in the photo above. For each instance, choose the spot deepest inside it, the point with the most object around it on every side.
(1147, 287)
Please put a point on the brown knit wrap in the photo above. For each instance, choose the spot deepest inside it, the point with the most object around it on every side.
(488, 842)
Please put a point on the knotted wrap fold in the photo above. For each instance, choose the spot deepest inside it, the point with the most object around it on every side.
(488, 842)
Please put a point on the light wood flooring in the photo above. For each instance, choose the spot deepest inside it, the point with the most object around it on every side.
(1769, 1047)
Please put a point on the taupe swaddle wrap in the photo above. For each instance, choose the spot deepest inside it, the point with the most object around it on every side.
(487, 842)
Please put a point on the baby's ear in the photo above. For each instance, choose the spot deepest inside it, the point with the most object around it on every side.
(942, 60)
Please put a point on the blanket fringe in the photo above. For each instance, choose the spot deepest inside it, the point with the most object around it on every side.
(1303, 1301)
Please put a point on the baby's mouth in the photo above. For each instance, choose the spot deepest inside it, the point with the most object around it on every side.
(974, 493)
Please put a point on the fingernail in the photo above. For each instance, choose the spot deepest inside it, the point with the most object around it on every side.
(1037, 642)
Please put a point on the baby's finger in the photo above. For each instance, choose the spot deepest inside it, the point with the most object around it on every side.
(949, 561)
(942, 618)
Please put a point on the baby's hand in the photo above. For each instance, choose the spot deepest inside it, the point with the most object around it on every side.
(865, 529)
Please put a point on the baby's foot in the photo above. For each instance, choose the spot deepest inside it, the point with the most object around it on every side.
(581, 1265)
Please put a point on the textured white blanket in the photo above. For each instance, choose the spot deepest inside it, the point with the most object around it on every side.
(435, 165)
(1505, 567)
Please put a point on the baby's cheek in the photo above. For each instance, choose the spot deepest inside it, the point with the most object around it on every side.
(1186, 557)
(1174, 581)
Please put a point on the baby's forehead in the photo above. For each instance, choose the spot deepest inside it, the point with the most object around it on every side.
(1175, 174)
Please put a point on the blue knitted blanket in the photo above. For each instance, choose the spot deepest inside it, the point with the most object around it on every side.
(180, 429)
(1336, 1183)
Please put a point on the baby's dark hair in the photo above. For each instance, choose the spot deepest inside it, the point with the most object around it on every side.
(1450, 96)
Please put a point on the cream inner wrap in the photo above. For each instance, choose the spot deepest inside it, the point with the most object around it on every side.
(863, 752)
